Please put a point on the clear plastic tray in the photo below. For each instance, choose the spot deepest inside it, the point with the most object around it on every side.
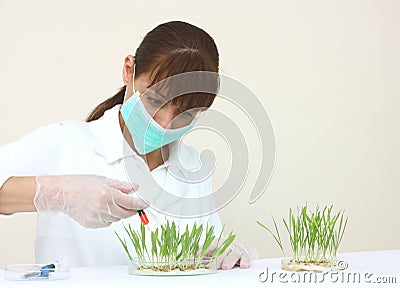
(289, 265)
(28, 272)
(181, 268)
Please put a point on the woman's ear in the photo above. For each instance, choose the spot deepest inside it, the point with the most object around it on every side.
(127, 71)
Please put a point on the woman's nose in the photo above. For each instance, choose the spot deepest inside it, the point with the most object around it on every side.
(165, 116)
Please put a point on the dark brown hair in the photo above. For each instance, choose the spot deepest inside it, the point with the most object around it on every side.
(169, 49)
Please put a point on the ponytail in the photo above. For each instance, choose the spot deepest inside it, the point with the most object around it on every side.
(109, 103)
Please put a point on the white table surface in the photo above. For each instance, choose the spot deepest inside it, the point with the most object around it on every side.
(374, 263)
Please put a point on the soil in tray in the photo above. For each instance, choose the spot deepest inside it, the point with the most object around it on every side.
(313, 266)
(167, 271)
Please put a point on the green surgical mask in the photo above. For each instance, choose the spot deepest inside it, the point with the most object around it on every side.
(146, 133)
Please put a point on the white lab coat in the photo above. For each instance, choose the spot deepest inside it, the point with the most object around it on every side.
(78, 147)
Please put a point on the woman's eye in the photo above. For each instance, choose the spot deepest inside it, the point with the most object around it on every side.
(187, 115)
(154, 101)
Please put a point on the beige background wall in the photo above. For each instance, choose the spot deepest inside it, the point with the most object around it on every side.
(327, 72)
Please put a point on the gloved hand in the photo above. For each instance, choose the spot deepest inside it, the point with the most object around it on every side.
(93, 201)
(235, 254)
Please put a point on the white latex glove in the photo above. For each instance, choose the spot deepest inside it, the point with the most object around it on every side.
(93, 201)
(235, 254)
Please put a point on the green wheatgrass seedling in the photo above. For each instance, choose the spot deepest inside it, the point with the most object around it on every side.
(171, 250)
(314, 236)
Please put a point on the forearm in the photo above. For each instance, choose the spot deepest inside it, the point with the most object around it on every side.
(16, 195)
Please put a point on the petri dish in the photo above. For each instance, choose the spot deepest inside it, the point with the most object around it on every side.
(179, 268)
(30, 272)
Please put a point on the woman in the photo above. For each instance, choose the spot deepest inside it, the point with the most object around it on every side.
(78, 168)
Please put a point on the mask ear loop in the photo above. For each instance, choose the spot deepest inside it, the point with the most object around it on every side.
(133, 77)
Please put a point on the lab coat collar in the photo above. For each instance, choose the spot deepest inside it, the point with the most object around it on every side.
(183, 157)
(111, 144)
